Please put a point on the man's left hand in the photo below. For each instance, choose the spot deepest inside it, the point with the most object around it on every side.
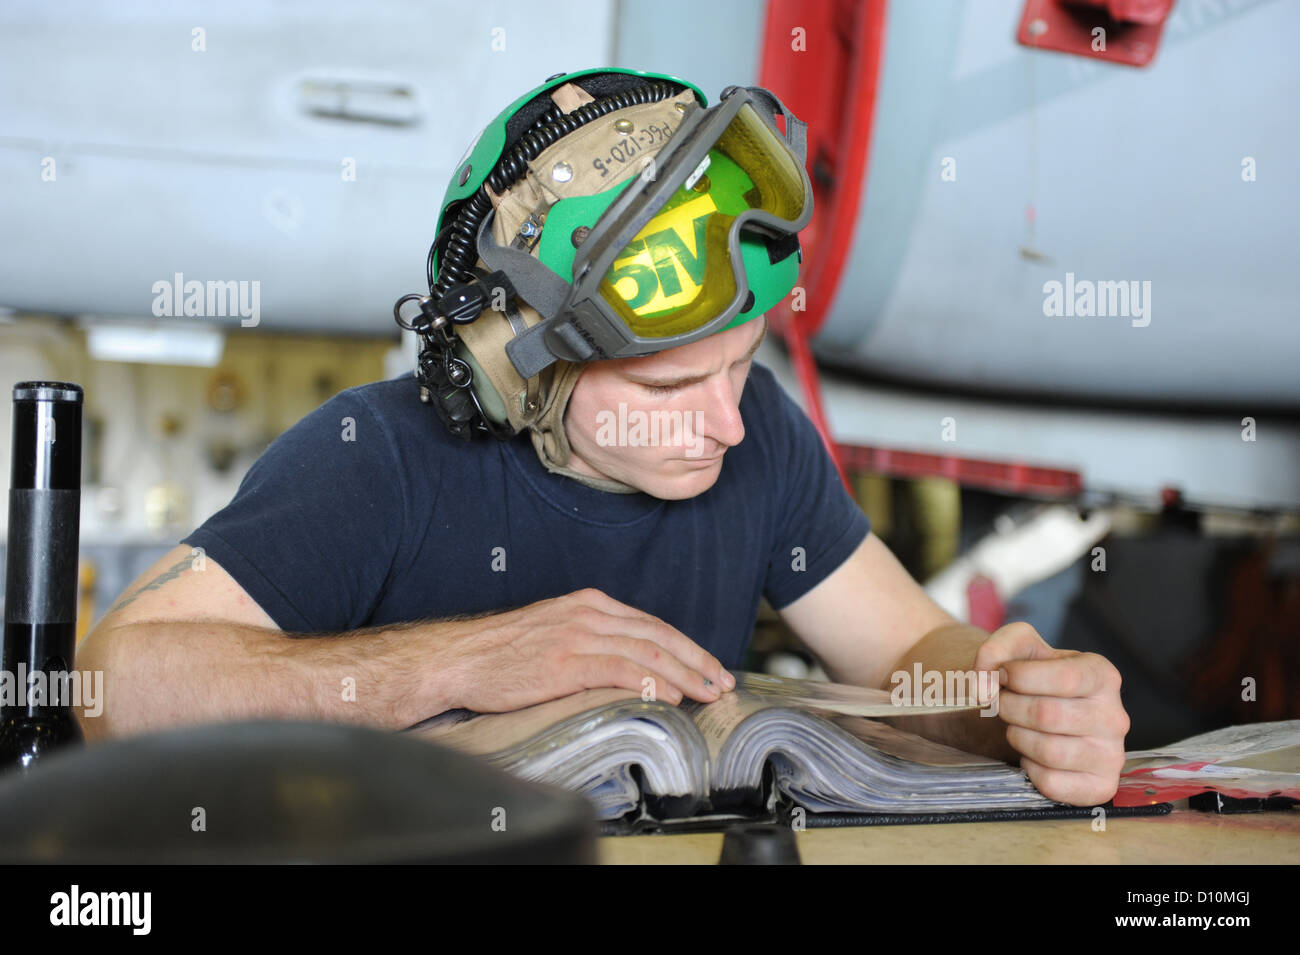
(1063, 714)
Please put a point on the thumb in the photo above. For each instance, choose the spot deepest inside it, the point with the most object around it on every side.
(1015, 641)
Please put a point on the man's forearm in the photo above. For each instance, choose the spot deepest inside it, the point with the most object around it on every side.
(953, 648)
(163, 674)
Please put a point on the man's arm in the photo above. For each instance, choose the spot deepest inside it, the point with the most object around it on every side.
(187, 644)
(870, 619)
(864, 616)
(1059, 711)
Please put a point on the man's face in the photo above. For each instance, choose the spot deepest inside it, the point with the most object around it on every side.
(661, 423)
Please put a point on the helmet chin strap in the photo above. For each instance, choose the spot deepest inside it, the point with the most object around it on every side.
(550, 440)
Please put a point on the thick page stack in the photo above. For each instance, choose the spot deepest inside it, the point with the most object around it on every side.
(822, 745)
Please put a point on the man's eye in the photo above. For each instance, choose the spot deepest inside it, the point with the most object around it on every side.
(659, 389)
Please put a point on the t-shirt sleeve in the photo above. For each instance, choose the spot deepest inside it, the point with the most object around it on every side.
(314, 528)
(818, 523)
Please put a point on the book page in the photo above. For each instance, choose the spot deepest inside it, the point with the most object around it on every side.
(756, 692)
(909, 746)
(493, 732)
(1247, 739)
(834, 697)
(484, 733)
(836, 762)
(1285, 760)
(716, 720)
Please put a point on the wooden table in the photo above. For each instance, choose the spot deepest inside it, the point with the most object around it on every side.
(1184, 836)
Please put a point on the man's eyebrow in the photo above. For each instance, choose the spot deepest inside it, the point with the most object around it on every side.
(692, 379)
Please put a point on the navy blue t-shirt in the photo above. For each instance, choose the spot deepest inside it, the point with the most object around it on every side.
(405, 522)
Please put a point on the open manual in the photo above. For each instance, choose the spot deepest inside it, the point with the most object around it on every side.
(822, 746)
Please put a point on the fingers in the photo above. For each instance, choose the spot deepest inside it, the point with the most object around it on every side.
(1065, 717)
(1078, 770)
(1068, 675)
(654, 657)
(600, 670)
(1063, 714)
(1080, 754)
(1073, 788)
(1072, 736)
(618, 619)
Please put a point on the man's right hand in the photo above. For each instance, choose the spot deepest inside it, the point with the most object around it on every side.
(187, 644)
(581, 640)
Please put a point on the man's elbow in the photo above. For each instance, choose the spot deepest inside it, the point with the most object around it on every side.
(95, 662)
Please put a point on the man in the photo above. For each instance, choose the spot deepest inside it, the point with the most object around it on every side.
(431, 573)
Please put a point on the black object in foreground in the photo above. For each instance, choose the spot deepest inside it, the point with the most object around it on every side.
(40, 635)
(760, 845)
(284, 792)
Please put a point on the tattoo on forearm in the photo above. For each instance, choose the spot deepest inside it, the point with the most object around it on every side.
(170, 574)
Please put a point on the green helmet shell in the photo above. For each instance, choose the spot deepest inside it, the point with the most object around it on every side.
(490, 144)
(769, 282)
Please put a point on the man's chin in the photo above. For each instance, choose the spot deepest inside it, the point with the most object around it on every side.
(687, 478)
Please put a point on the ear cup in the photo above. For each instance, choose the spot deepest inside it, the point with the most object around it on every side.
(489, 399)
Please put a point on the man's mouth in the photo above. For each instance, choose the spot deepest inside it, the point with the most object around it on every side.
(714, 459)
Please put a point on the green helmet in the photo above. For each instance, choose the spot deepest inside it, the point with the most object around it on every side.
(452, 363)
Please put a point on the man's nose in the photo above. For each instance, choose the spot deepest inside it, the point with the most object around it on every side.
(720, 416)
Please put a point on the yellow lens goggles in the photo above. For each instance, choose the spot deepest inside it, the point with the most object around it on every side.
(663, 265)
(678, 273)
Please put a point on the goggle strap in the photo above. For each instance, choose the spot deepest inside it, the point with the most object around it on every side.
(563, 339)
(529, 352)
(796, 130)
(537, 285)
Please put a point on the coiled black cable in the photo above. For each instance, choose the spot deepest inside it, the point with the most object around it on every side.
(457, 261)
